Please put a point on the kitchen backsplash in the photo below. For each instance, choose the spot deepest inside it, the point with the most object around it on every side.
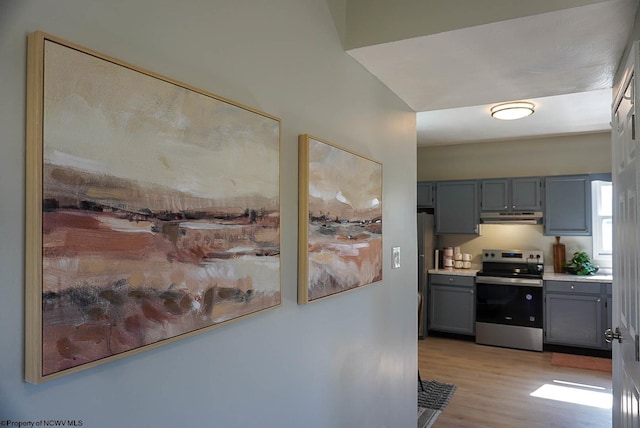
(513, 236)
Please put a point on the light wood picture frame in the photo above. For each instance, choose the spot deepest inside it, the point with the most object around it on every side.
(152, 210)
(340, 220)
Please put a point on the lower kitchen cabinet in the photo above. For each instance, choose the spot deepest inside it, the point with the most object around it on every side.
(452, 304)
(576, 314)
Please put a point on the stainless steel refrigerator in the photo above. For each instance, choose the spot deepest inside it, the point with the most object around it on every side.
(426, 261)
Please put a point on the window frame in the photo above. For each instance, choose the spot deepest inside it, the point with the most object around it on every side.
(600, 256)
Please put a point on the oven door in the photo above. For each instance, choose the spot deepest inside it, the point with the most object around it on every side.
(509, 301)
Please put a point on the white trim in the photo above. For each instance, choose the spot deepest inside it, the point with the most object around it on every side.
(601, 256)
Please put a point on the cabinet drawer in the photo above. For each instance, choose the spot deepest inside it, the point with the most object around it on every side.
(460, 280)
(573, 287)
(609, 289)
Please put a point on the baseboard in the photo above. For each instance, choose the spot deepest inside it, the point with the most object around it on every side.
(466, 337)
(602, 353)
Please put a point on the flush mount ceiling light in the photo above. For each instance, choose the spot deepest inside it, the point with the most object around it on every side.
(511, 111)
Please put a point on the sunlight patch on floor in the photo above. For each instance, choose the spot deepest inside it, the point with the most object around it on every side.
(569, 392)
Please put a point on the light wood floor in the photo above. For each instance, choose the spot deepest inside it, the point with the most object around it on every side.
(494, 386)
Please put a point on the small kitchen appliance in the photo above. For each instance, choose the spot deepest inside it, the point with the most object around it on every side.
(509, 303)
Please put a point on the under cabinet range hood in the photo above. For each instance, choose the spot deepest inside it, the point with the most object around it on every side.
(520, 217)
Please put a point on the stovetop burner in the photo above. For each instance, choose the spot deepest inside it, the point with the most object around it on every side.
(512, 263)
(527, 275)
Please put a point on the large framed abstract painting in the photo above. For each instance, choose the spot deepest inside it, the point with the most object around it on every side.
(340, 220)
(153, 210)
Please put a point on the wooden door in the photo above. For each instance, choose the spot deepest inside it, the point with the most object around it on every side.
(625, 170)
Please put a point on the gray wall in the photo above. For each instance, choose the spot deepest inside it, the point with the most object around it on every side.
(573, 154)
(348, 361)
(371, 22)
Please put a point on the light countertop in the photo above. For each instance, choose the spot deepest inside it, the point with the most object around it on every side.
(547, 276)
(550, 276)
(460, 272)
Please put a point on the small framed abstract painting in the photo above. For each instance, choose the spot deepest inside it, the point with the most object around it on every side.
(152, 210)
(340, 220)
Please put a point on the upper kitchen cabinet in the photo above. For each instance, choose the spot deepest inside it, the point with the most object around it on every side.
(511, 194)
(426, 194)
(456, 207)
(567, 205)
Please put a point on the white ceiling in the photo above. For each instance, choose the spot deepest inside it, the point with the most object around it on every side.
(564, 62)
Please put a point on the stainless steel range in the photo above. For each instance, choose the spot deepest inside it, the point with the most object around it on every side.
(509, 303)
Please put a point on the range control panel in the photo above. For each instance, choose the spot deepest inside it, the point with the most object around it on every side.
(513, 256)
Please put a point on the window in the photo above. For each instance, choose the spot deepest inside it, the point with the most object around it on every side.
(602, 223)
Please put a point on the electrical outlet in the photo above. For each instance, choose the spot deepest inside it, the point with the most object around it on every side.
(395, 258)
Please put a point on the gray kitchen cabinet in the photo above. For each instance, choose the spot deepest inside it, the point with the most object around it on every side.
(456, 207)
(576, 314)
(426, 194)
(495, 194)
(452, 304)
(567, 205)
(511, 194)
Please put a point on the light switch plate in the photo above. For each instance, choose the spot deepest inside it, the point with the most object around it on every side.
(395, 258)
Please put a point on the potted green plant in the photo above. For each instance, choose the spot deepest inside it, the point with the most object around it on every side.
(580, 264)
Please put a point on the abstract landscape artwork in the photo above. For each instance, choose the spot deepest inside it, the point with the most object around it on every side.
(340, 220)
(153, 210)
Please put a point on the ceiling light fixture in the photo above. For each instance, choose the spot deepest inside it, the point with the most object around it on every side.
(511, 111)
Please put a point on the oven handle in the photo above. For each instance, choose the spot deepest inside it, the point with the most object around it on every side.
(509, 281)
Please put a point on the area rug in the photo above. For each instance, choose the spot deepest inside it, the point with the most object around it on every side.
(581, 362)
(433, 397)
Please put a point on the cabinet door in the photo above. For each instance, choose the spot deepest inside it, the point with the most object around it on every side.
(567, 208)
(511, 194)
(526, 194)
(494, 195)
(452, 309)
(426, 194)
(574, 320)
(456, 207)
